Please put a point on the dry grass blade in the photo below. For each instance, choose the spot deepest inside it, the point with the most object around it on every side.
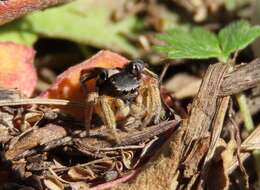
(56, 176)
(27, 101)
(81, 173)
(98, 143)
(216, 130)
(248, 144)
(52, 183)
(122, 147)
(204, 105)
(149, 132)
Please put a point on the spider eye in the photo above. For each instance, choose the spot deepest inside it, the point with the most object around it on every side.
(103, 75)
(124, 92)
(133, 91)
(136, 67)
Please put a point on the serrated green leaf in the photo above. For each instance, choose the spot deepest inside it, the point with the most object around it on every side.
(195, 44)
(17, 32)
(237, 36)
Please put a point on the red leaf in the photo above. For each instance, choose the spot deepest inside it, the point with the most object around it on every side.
(16, 67)
(67, 85)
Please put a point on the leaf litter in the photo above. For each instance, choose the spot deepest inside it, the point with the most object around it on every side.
(51, 150)
(50, 147)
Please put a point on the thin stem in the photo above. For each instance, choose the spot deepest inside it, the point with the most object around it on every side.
(165, 68)
(249, 124)
(248, 121)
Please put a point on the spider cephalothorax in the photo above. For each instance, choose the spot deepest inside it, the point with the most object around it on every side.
(122, 84)
(123, 93)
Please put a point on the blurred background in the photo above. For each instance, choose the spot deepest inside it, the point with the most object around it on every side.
(68, 34)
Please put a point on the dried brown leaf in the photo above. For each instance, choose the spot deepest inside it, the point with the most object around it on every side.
(217, 128)
(34, 138)
(218, 175)
(192, 162)
(52, 183)
(81, 173)
(204, 105)
(127, 158)
(183, 85)
(6, 123)
(160, 172)
(79, 185)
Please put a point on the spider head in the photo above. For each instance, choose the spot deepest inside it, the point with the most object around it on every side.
(135, 68)
(102, 76)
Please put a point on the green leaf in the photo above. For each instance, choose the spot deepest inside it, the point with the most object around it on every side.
(202, 44)
(195, 44)
(17, 32)
(237, 36)
(86, 22)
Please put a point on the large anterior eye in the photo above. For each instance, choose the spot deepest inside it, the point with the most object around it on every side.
(136, 67)
(103, 76)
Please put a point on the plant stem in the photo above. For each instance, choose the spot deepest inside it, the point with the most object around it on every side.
(249, 125)
(248, 121)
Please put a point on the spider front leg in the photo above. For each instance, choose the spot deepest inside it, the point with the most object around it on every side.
(156, 100)
(91, 96)
(86, 75)
(152, 98)
(90, 108)
(104, 110)
(152, 103)
(122, 110)
(138, 111)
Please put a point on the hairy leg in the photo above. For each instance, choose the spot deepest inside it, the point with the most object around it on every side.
(107, 115)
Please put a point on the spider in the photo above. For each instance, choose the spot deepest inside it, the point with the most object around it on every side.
(122, 94)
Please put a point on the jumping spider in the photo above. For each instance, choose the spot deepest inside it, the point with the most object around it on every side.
(131, 92)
